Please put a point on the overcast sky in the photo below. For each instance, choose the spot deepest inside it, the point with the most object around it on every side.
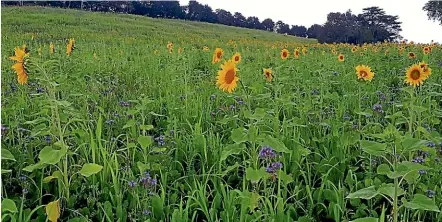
(415, 24)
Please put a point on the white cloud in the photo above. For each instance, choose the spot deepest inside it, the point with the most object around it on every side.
(415, 24)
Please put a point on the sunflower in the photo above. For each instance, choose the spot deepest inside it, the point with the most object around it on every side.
(169, 45)
(268, 74)
(365, 49)
(426, 50)
(364, 72)
(155, 51)
(180, 50)
(236, 58)
(51, 48)
(70, 47)
(227, 77)
(20, 67)
(341, 58)
(411, 55)
(304, 51)
(217, 55)
(354, 49)
(415, 75)
(284, 54)
(296, 53)
(426, 70)
(205, 49)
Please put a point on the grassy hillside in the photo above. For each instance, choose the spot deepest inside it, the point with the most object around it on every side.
(60, 23)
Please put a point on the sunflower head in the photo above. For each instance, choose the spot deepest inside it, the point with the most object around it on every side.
(70, 47)
(426, 70)
(364, 72)
(236, 58)
(51, 48)
(296, 53)
(155, 51)
(341, 58)
(284, 54)
(217, 55)
(411, 55)
(20, 55)
(415, 75)
(268, 74)
(205, 49)
(227, 77)
(354, 49)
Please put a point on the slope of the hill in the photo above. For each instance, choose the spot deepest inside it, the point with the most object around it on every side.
(26, 20)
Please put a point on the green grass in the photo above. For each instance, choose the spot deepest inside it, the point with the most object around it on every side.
(86, 128)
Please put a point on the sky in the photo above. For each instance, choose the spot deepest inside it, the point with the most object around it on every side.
(415, 24)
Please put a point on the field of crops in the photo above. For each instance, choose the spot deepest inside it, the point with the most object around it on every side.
(109, 117)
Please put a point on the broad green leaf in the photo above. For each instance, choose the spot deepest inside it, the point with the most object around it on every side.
(366, 219)
(412, 144)
(388, 190)
(276, 145)
(255, 175)
(8, 205)
(366, 193)
(54, 175)
(50, 155)
(129, 124)
(286, 179)
(373, 148)
(6, 155)
(144, 141)
(230, 150)
(146, 127)
(258, 115)
(53, 210)
(33, 167)
(383, 169)
(419, 109)
(239, 135)
(422, 202)
(157, 206)
(89, 169)
(143, 167)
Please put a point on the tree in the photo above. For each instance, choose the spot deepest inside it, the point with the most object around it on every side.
(281, 27)
(253, 22)
(314, 31)
(434, 10)
(268, 24)
(224, 17)
(378, 25)
(300, 31)
(199, 12)
(239, 20)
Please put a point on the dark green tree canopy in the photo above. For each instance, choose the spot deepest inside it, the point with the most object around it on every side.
(434, 10)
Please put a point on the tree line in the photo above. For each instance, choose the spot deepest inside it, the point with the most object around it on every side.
(372, 25)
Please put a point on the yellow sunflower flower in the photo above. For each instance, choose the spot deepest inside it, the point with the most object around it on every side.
(268, 74)
(411, 55)
(227, 77)
(341, 58)
(415, 75)
(70, 47)
(236, 58)
(284, 54)
(51, 48)
(296, 54)
(426, 70)
(217, 55)
(20, 66)
(364, 72)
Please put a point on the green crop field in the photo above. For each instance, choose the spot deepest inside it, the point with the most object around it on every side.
(114, 117)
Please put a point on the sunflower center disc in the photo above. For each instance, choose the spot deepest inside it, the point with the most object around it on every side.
(415, 75)
(218, 55)
(364, 74)
(230, 76)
